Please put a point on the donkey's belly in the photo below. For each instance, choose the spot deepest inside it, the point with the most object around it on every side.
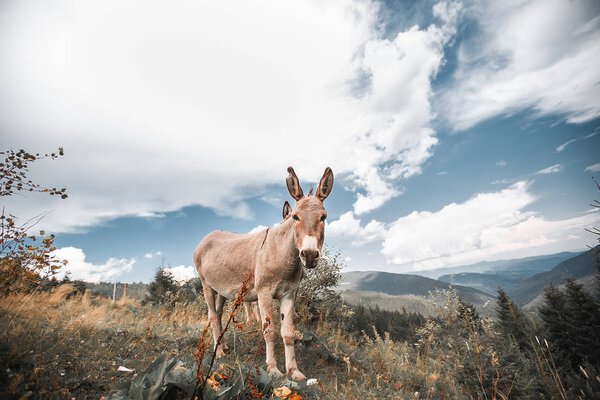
(227, 279)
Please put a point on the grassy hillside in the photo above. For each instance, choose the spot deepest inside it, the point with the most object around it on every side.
(408, 302)
(575, 267)
(59, 346)
(405, 284)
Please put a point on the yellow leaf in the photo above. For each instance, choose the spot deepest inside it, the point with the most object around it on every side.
(214, 385)
(282, 392)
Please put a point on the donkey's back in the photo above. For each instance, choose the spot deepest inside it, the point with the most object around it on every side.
(224, 260)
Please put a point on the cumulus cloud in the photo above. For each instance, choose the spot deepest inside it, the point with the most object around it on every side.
(257, 228)
(348, 228)
(182, 273)
(175, 106)
(593, 168)
(378, 192)
(487, 226)
(550, 170)
(79, 268)
(520, 60)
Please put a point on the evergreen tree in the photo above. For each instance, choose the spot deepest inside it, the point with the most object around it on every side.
(554, 314)
(572, 323)
(584, 312)
(162, 289)
(512, 321)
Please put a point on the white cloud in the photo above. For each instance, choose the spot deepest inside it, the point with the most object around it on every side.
(550, 170)
(488, 226)
(539, 55)
(501, 163)
(182, 273)
(503, 181)
(152, 255)
(209, 101)
(79, 268)
(257, 229)
(348, 228)
(378, 192)
(593, 168)
(568, 142)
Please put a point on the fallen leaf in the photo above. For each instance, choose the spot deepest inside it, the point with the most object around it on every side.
(282, 392)
(214, 385)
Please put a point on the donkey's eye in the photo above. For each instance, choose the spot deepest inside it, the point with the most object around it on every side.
(323, 217)
(295, 217)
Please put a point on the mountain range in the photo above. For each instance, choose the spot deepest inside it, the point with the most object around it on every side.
(523, 280)
(360, 284)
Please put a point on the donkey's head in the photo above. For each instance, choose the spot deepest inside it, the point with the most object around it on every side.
(309, 216)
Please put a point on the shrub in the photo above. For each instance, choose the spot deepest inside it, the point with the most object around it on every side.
(317, 300)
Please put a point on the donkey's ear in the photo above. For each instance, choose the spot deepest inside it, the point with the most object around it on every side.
(287, 210)
(293, 184)
(325, 185)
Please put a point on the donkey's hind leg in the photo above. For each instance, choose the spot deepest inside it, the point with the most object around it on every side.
(214, 318)
(220, 304)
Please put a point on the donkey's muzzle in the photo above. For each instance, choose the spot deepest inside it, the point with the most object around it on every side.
(309, 258)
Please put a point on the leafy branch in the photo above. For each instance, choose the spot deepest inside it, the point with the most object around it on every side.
(25, 259)
(14, 169)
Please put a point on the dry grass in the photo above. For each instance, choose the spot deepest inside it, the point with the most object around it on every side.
(54, 347)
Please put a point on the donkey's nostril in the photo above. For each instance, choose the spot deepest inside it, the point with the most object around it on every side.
(309, 257)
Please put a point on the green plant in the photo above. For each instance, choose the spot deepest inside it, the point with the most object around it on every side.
(317, 300)
(163, 289)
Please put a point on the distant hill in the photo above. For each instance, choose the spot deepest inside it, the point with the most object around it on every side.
(486, 282)
(522, 267)
(405, 284)
(588, 282)
(576, 267)
(407, 302)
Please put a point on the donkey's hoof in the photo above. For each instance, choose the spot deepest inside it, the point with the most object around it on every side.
(297, 375)
(274, 372)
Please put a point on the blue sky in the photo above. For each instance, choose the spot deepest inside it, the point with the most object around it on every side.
(457, 131)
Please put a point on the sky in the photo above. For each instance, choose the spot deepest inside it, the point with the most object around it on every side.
(457, 131)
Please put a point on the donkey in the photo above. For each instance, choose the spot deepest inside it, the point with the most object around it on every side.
(271, 264)
(251, 307)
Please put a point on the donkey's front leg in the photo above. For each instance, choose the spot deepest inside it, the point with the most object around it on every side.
(288, 329)
(265, 304)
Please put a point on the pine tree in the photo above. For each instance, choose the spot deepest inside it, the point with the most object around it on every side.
(555, 315)
(162, 288)
(512, 321)
(584, 313)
